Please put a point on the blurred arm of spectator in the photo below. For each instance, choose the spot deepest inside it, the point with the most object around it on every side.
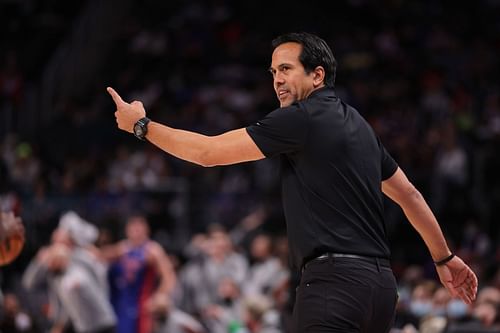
(112, 252)
(455, 275)
(10, 225)
(52, 258)
(197, 247)
(35, 274)
(48, 259)
(248, 224)
(93, 250)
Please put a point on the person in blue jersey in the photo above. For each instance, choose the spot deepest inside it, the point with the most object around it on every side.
(139, 271)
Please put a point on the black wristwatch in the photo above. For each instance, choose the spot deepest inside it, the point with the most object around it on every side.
(141, 128)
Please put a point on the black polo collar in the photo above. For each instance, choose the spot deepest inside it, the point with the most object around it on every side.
(322, 92)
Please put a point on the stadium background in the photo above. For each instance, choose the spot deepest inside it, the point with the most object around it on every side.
(425, 74)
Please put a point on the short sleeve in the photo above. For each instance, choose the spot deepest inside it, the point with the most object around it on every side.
(282, 131)
(389, 165)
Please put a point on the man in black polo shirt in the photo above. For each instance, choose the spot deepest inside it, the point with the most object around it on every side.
(334, 171)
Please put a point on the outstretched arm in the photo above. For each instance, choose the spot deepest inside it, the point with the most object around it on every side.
(455, 275)
(163, 267)
(229, 148)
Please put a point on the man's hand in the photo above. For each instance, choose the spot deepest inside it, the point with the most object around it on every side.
(459, 279)
(127, 114)
(10, 225)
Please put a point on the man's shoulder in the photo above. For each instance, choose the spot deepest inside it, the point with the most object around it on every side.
(154, 248)
(294, 110)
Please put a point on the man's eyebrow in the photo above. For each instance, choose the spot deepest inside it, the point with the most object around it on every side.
(285, 64)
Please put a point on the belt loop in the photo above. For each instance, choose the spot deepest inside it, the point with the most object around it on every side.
(330, 257)
(378, 264)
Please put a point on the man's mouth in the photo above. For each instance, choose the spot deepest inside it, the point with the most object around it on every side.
(282, 94)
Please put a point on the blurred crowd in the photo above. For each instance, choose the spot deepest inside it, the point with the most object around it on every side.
(424, 74)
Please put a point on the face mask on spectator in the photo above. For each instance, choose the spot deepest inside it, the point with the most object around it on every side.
(456, 309)
(439, 311)
(420, 308)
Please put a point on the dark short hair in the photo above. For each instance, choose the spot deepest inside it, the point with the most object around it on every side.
(315, 52)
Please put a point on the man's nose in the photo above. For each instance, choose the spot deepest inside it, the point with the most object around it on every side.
(278, 79)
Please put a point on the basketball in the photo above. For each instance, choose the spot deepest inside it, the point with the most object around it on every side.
(10, 249)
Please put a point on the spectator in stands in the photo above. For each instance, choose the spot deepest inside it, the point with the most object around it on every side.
(484, 316)
(14, 318)
(168, 319)
(266, 273)
(77, 290)
(217, 260)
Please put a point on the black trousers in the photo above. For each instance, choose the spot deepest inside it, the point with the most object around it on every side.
(349, 295)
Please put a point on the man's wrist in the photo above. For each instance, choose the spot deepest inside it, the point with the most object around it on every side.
(443, 261)
(141, 128)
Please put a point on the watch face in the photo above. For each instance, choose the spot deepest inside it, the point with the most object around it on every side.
(141, 128)
(138, 130)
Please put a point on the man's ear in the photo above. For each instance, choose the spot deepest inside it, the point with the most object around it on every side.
(319, 76)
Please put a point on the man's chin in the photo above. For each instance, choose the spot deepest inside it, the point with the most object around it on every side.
(285, 103)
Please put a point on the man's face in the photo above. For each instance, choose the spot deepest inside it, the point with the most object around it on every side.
(137, 230)
(61, 236)
(291, 82)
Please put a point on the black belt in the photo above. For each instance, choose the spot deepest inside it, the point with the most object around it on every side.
(375, 260)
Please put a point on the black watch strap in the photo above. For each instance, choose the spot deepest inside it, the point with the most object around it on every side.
(444, 261)
(141, 128)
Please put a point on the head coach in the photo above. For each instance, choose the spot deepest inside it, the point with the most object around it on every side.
(334, 172)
